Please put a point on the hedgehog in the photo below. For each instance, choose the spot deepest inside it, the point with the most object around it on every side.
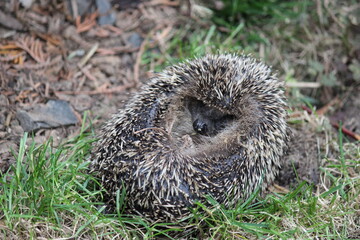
(212, 126)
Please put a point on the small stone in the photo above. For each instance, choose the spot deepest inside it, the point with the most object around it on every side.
(26, 3)
(83, 7)
(135, 39)
(55, 113)
(106, 16)
(10, 22)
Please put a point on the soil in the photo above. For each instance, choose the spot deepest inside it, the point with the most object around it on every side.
(304, 157)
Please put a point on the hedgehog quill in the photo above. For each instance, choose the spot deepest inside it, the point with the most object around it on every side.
(210, 126)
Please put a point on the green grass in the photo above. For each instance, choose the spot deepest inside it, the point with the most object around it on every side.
(48, 193)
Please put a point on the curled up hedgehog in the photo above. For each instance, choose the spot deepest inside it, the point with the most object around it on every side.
(214, 126)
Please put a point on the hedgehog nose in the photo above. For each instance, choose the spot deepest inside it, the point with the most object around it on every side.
(200, 127)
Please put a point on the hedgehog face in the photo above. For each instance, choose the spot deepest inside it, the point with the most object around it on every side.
(207, 120)
(223, 88)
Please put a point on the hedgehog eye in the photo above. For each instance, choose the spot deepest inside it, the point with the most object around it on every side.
(200, 127)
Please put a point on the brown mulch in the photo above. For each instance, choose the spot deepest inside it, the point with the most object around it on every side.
(48, 54)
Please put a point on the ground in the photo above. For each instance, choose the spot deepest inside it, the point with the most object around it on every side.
(59, 62)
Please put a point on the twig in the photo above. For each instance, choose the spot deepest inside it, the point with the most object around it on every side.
(74, 8)
(303, 84)
(308, 110)
(87, 24)
(325, 108)
(7, 93)
(49, 38)
(336, 125)
(280, 189)
(8, 119)
(10, 46)
(114, 50)
(346, 131)
(39, 66)
(114, 29)
(86, 72)
(11, 57)
(332, 15)
(90, 53)
(163, 2)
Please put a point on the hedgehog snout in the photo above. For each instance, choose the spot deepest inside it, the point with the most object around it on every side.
(207, 120)
(201, 127)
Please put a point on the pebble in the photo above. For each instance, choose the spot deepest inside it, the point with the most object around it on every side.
(56, 113)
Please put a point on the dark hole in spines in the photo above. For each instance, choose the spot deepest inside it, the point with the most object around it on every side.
(207, 120)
